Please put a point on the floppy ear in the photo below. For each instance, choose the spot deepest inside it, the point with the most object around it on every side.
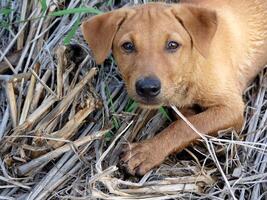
(99, 32)
(200, 23)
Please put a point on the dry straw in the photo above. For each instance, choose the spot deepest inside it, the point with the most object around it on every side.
(63, 121)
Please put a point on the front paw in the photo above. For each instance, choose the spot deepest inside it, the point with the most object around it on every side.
(139, 158)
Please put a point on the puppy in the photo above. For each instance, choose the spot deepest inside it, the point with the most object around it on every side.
(198, 52)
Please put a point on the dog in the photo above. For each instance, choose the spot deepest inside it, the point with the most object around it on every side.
(197, 52)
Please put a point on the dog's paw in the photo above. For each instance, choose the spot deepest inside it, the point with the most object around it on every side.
(139, 158)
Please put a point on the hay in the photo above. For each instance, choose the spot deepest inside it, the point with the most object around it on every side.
(63, 123)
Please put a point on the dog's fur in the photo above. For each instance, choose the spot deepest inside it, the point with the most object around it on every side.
(223, 47)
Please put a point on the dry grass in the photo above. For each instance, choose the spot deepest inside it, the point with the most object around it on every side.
(63, 122)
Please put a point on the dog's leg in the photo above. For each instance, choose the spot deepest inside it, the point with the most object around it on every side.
(141, 157)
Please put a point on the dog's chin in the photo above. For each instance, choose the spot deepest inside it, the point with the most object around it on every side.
(149, 103)
(150, 106)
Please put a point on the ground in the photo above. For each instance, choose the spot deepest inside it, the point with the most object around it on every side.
(64, 120)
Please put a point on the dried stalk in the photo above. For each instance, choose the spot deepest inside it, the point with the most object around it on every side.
(89, 172)
(9, 65)
(15, 183)
(29, 97)
(26, 168)
(39, 89)
(66, 101)
(20, 40)
(164, 189)
(12, 103)
(9, 61)
(60, 68)
(28, 124)
(36, 115)
(71, 126)
(3, 125)
(43, 83)
(15, 38)
(56, 183)
(15, 78)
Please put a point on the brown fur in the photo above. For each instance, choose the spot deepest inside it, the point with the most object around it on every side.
(223, 47)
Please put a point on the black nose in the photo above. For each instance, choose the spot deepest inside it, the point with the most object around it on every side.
(148, 87)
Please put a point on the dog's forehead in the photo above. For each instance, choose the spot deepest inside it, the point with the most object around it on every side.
(151, 10)
(151, 21)
(151, 6)
(153, 15)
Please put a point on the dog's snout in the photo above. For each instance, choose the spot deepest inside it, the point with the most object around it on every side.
(148, 87)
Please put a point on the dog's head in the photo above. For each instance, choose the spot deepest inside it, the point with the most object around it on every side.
(155, 45)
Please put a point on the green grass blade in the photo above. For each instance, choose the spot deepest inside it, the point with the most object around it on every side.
(44, 6)
(4, 24)
(165, 113)
(115, 121)
(110, 3)
(132, 105)
(72, 32)
(75, 10)
(5, 11)
(108, 136)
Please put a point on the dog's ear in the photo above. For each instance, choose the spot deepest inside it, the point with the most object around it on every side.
(99, 32)
(200, 23)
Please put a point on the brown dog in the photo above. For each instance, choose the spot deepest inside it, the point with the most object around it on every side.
(199, 52)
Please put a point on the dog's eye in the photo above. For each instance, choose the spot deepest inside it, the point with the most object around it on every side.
(128, 47)
(172, 45)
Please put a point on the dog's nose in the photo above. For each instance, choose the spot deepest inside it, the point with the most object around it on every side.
(148, 87)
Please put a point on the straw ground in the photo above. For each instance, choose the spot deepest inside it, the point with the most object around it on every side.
(63, 120)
